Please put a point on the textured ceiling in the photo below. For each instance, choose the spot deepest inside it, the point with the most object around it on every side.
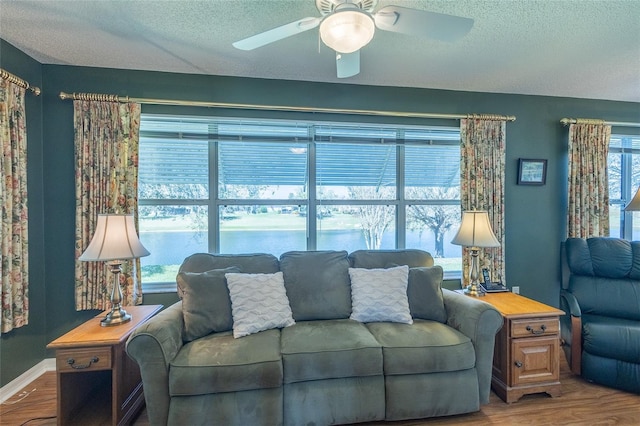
(568, 48)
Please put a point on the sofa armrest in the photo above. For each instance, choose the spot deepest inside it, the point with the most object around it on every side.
(571, 330)
(480, 322)
(153, 345)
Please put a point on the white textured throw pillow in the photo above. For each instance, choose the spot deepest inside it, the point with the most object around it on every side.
(258, 302)
(380, 295)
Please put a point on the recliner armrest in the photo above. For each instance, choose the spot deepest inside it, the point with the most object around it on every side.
(571, 330)
(570, 303)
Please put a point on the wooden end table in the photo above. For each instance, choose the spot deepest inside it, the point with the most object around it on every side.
(97, 382)
(526, 358)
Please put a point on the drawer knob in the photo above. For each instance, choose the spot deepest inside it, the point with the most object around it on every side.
(542, 329)
(72, 363)
(518, 364)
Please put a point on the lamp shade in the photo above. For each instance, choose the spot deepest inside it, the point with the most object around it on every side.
(634, 205)
(475, 231)
(115, 239)
(347, 29)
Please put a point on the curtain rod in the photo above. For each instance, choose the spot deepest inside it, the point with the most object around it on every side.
(125, 99)
(567, 121)
(20, 82)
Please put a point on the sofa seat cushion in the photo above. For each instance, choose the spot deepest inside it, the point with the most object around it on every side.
(614, 338)
(219, 363)
(329, 349)
(423, 347)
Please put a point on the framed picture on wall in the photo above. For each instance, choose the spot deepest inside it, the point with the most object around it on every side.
(532, 172)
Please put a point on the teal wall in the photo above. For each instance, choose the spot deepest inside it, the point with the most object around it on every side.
(535, 215)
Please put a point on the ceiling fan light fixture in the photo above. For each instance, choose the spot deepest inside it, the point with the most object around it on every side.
(347, 30)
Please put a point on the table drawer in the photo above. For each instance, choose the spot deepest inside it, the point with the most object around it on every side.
(83, 359)
(535, 327)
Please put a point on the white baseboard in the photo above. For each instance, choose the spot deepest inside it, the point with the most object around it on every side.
(12, 388)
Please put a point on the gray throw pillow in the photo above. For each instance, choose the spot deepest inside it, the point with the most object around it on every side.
(425, 293)
(206, 305)
(317, 284)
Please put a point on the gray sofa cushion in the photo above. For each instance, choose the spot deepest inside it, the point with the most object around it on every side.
(317, 284)
(425, 280)
(424, 347)
(352, 400)
(371, 259)
(314, 350)
(380, 294)
(259, 263)
(425, 293)
(220, 363)
(206, 306)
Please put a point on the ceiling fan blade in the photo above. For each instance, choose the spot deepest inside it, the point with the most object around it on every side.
(277, 33)
(348, 64)
(422, 23)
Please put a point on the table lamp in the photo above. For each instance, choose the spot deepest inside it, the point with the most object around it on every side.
(475, 232)
(115, 240)
(634, 205)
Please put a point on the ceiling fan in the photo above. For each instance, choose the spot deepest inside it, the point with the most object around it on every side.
(348, 25)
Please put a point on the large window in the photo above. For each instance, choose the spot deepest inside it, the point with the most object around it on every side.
(624, 180)
(247, 186)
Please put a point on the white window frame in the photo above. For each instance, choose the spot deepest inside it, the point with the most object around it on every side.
(449, 136)
(628, 148)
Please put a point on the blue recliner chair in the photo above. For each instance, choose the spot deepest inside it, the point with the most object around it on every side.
(601, 296)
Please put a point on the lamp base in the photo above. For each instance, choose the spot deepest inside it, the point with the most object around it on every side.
(473, 290)
(117, 314)
(115, 317)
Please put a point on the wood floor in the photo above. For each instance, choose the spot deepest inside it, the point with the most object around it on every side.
(581, 404)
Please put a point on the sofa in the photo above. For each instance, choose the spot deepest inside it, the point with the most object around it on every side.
(314, 338)
(601, 296)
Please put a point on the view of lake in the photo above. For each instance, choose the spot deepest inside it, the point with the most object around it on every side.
(172, 247)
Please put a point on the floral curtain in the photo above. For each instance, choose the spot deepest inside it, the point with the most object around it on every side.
(588, 214)
(106, 155)
(482, 165)
(14, 265)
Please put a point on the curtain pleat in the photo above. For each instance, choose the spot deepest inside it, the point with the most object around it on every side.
(588, 203)
(106, 154)
(482, 170)
(14, 265)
